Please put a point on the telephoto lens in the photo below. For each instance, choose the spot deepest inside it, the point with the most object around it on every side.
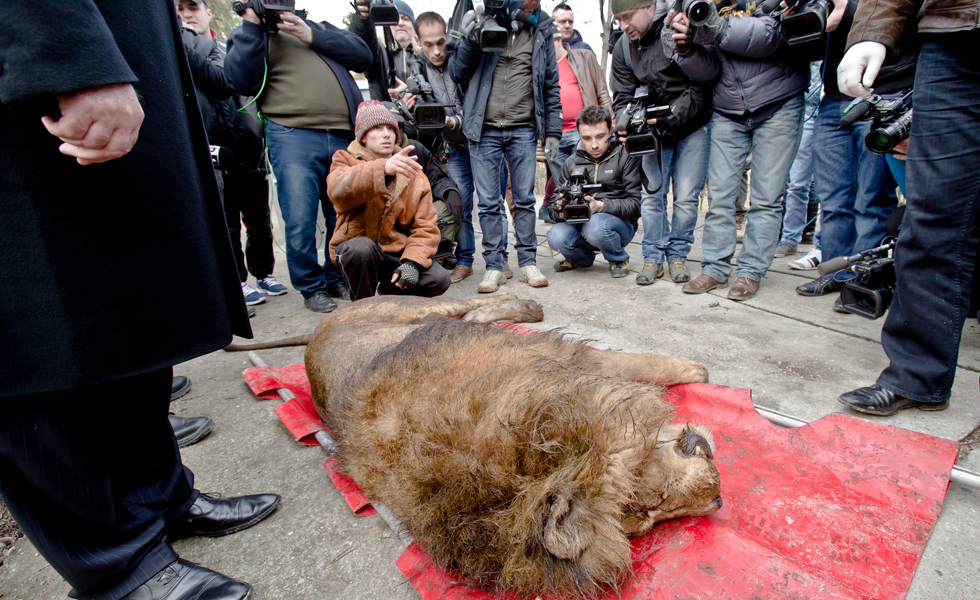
(697, 11)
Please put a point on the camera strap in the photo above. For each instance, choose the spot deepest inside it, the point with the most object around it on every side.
(627, 51)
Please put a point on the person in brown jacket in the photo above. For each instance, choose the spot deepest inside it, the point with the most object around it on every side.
(386, 232)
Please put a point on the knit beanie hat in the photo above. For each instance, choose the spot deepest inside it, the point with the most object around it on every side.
(372, 113)
(621, 5)
(404, 9)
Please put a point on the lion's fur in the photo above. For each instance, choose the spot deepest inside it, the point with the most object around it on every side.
(519, 462)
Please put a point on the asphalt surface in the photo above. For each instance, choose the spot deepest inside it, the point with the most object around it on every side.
(794, 353)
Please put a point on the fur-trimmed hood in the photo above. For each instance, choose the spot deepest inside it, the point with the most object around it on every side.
(394, 211)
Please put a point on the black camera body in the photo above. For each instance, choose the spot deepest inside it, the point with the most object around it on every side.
(268, 11)
(891, 120)
(870, 293)
(429, 114)
(642, 138)
(383, 12)
(807, 21)
(577, 209)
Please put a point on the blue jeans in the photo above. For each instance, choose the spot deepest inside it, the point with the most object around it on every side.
(937, 246)
(897, 168)
(798, 191)
(517, 146)
(773, 143)
(462, 174)
(686, 162)
(566, 147)
(850, 182)
(578, 243)
(300, 160)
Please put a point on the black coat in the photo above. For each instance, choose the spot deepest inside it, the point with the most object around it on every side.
(113, 269)
(619, 174)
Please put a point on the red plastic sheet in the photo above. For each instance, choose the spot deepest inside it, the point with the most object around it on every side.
(839, 508)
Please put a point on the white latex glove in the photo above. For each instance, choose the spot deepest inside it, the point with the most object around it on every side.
(859, 67)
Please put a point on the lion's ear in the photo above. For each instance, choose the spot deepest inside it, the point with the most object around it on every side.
(568, 530)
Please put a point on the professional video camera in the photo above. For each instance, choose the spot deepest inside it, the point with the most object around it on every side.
(806, 22)
(383, 12)
(429, 114)
(268, 11)
(697, 11)
(576, 208)
(870, 293)
(642, 138)
(486, 22)
(892, 120)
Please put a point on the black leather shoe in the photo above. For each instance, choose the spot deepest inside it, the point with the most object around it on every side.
(190, 431)
(876, 401)
(179, 386)
(839, 307)
(183, 580)
(820, 286)
(214, 517)
(339, 291)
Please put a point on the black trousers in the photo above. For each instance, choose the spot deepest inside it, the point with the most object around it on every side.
(368, 269)
(93, 476)
(246, 200)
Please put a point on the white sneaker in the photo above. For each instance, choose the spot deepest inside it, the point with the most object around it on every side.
(532, 276)
(808, 263)
(491, 281)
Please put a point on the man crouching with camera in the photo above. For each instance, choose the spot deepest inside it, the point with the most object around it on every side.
(597, 204)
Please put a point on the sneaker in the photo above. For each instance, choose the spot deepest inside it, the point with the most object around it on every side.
(320, 302)
(740, 224)
(269, 285)
(460, 273)
(491, 281)
(507, 272)
(252, 295)
(563, 265)
(650, 273)
(785, 249)
(532, 276)
(678, 271)
(621, 269)
(809, 262)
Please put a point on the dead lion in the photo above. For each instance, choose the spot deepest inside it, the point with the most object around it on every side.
(518, 462)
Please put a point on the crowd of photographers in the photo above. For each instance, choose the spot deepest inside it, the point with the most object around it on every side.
(698, 91)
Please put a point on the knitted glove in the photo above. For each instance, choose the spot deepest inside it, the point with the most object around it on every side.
(408, 274)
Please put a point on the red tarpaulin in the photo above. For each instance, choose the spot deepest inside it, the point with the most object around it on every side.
(839, 508)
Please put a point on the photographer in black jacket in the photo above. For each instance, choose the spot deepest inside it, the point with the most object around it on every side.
(614, 210)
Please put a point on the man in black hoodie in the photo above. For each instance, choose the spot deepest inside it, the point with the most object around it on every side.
(614, 211)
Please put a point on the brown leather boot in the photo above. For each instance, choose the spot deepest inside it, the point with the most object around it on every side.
(743, 289)
(701, 284)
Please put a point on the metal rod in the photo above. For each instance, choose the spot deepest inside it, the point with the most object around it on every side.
(329, 446)
(959, 475)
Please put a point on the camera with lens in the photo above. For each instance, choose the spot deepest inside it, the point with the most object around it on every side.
(870, 292)
(806, 22)
(268, 11)
(892, 120)
(697, 11)
(429, 114)
(489, 24)
(383, 12)
(576, 208)
(641, 137)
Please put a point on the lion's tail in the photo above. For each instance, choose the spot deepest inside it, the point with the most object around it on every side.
(299, 340)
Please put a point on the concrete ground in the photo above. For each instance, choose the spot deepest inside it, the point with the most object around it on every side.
(794, 353)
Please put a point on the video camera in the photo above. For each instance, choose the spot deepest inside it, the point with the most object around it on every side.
(805, 23)
(697, 11)
(429, 114)
(870, 293)
(383, 12)
(488, 24)
(576, 208)
(892, 120)
(268, 11)
(642, 138)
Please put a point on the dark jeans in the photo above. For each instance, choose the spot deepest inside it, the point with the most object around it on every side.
(301, 160)
(246, 200)
(368, 269)
(93, 476)
(937, 245)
